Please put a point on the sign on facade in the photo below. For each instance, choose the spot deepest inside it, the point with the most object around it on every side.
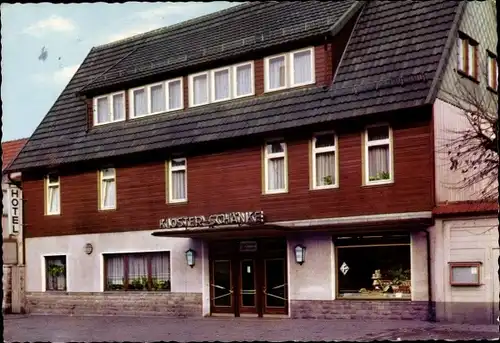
(15, 209)
(248, 246)
(231, 218)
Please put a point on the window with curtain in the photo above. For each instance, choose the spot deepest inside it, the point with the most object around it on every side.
(221, 85)
(137, 271)
(108, 188)
(178, 180)
(277, 72)
(157, 94)
(492, 71)
(174, 95)
(53, 201)
(103, 113)
(200, 89)
(140, 102)
(55, 273)
(467, 55)
(118, 106)
(275, 164)
(302, 68)
(109, 108)
(243, 80)
(324, 162)
(378, 152)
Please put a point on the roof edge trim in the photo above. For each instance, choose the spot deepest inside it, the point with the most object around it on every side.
(344, 19)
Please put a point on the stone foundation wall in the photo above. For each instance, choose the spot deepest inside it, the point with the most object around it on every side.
(7, 285)
(116, 303)
(359, 309)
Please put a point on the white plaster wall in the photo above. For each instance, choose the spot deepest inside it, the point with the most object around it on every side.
(85, 273)
(313, 280)
(419, 274)
(465, 240)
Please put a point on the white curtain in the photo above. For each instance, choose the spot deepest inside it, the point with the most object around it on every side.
(115, 270)
(302, 67)
(472, 60)
(157, 99)
(378, 159)
(276, 173)
(137, 267)
(174, 95)
(56, 282)
(325, 166)
(118, 107)
(102, 110)
(53, 199)
(200, 89)
(140, 102)
(243, 80)
(221, 81)
(277, 72)
(179, 184)
(160, 267)
(109, 193)
(461, 50)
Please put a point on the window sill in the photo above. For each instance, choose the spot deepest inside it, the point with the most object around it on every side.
(177, 203)
(109, 122)
(365, 298)
(324, 188)
(378, 183)
(494, 91)
(52, 214)
(275, 193)
(107, 209)
(466, 285)
(467, 76)
(135, 291)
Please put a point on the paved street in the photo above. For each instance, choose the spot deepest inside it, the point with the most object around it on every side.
(64, 329)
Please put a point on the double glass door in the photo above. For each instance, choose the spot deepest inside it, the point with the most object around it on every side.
(249, 286)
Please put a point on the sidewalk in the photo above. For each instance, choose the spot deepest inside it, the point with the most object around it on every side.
(64, 329)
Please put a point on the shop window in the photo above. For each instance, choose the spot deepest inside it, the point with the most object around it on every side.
(137, 271)
(465, 273)
(55, 272)
(374, 270)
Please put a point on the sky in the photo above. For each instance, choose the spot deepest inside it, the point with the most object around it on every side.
(30, 85)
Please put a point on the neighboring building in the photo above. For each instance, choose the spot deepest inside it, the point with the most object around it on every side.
(12, 231)
(284, 150)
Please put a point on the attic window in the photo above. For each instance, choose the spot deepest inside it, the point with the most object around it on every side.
(109, 108)
(492, 72)
(156, 98)
(467, 56)
(288, 70)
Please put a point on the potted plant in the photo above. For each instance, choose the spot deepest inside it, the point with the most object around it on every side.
(55, 271)
(380, 176)
(328, 180)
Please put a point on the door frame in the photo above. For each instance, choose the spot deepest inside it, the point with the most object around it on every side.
(271, 309)
(221, 309)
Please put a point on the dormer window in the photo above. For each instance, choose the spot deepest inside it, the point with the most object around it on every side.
(288, 70)
(467, 56)
(109, 108)
(221, 84)
(156, 98)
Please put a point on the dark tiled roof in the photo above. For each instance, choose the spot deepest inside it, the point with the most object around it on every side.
(10, 150)
(392, 62)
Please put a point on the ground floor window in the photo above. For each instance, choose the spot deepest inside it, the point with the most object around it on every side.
(55, 273)
(370, 268)
(137, 271)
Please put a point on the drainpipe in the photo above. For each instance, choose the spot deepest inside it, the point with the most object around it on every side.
(431, 313)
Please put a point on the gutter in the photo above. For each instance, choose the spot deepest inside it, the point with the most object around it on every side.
(431, 311)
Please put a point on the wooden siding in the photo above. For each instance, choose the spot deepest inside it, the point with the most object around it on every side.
(231, 181)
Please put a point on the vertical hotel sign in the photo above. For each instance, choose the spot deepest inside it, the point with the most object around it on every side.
(15, 209)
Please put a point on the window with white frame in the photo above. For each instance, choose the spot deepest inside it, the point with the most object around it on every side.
(467, 55)
(378, 152)
(55, 273)
(492, 71)
(177, 189)
(53, 191)
(275, 167)
(324, 161)
(221, 84)
(156, 98)
(109, 108)
(107, 180)
(293, 69)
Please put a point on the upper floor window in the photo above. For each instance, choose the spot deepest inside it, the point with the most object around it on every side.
(467, 56)
(275, 167)
(221, 84)
(378, 155)
(292, 69)
(5, 202)
(52, 192)
(109, 108)
(177, 180)
(492, 71)
(324, 161)
(107, 187)
(156, 98)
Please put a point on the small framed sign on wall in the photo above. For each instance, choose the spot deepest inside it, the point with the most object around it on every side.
(465, 273)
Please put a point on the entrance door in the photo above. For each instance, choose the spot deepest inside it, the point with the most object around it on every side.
(247, 287)
(222, 287)
(275, 288)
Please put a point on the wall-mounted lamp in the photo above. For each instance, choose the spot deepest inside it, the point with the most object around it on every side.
(190, 256)
(300, 254)
(88, 248)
